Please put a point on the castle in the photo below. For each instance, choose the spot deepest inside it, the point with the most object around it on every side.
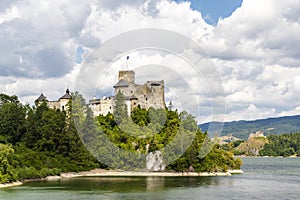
(61, 103)
(150, 94)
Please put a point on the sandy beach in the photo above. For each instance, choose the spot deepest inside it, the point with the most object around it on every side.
(102, 172)
(17, 183)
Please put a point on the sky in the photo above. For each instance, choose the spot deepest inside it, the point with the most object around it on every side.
(253, 45)
(212, 10)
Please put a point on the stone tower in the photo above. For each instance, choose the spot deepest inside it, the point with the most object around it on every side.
(150, 94)
(127, 76)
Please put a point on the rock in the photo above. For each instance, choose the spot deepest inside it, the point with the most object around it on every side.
(154, 161)
(191, 169)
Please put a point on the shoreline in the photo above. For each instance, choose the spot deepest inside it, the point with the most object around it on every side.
(247, 156)
(13, 184)
(117, 173)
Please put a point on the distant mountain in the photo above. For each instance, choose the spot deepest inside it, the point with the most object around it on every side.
(242, 129)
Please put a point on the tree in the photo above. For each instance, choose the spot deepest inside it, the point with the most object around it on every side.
(51, 130)
(140, 116)
(4, 98)
(33, 121)
(188, 121)
(12, 119)
(120, 108)
(6, 170)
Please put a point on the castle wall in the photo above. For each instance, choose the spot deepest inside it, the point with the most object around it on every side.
(53, 104)
(101, 106)
(63, 104)
(151, 94)
(60, 104)
(126, 91)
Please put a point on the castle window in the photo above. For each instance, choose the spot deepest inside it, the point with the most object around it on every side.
(109, 107)
(155, 84)
(146, 99)
(134, 104)
(63, 108)
(131, 92)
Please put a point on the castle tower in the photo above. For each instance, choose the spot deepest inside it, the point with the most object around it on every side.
(150, 94)
(127, 76)
(64, 100)
(41, 98)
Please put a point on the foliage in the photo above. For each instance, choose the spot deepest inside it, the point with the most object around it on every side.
(282, 145)
(120, 108)
(175, 134)
(6, 168)
(12, 119)
(38, 141)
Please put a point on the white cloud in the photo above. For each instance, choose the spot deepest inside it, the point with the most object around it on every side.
(256, 49)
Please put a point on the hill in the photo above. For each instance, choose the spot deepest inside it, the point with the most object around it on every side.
(242, 129)
(252, 146)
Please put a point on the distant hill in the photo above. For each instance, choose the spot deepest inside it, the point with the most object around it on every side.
(242, 129)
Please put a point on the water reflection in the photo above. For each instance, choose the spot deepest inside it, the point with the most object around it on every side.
(123, 184)
(154, 183)
(264, 178)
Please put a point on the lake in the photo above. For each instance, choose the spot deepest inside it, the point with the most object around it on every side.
(264, 178)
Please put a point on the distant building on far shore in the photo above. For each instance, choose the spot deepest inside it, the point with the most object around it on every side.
(257, 134)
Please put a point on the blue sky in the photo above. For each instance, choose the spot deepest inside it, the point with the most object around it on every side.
(212, 10)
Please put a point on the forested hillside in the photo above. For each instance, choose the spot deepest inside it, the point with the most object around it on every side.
(282, 145)
(274, 126)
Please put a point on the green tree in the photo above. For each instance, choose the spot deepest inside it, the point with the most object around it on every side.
(140, 116)
(120, 108)
(282, 145)
(6, 170)
(51, 129)
(12, 119)
(33, 121)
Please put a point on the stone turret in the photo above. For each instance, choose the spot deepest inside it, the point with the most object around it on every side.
(127, 76)
(62, 103)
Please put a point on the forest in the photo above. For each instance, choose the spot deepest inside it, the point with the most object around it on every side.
(282, 145)
(36, 141)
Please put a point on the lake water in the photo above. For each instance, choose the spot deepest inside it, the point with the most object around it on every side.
(264, 178)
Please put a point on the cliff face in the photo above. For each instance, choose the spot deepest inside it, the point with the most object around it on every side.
(252, 146)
